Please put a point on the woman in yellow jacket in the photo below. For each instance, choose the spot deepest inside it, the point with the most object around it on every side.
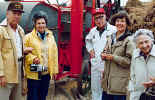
(42, 62)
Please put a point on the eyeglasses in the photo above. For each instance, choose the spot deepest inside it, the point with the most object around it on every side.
(99, 17)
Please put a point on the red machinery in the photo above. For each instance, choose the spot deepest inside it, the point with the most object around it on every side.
(71, 50)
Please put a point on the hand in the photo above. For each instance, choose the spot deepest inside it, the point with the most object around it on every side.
(54, 77)
(24, 87)
(2, 81)
(103, 56)
(92, 54)
(36, 60)
(109, 57)
(28, 50)
(147, 84)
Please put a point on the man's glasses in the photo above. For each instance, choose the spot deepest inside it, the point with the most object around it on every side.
(99, 17)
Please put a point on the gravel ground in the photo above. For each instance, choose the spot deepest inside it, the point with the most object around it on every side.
(66, 90)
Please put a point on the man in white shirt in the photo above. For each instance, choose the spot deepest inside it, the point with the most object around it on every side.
(95, 43)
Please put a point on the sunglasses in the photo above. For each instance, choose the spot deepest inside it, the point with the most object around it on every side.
(99, 17)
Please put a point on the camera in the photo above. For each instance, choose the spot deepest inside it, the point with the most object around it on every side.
(38, 68)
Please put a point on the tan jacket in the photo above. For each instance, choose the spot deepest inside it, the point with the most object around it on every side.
(116, 73)
(8, 54)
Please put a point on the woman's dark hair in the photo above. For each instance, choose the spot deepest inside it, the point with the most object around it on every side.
(121, 14)
(39, 16)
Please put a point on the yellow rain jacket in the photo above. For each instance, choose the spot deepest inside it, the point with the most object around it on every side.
(34, 41)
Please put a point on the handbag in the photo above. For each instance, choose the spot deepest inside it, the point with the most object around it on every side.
(148, 94)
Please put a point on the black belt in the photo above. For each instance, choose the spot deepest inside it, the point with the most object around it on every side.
(20, 58)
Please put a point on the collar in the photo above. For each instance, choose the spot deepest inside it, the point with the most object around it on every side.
(138, 53)
(5, 23)
(103, 28)
(110, 29)
(124, 35)
(13, 29)
(152, 52)
(142, 54)
(42, 36)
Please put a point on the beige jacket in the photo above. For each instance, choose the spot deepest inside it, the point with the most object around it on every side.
(116, 73)
(8, 54)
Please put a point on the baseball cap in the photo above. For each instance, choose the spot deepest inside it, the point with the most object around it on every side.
(98, 11)
(16, 6)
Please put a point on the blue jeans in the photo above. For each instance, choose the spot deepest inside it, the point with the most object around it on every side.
(106, 96)
(38, 89)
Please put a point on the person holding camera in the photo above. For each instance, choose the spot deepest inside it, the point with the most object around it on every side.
(42, 62)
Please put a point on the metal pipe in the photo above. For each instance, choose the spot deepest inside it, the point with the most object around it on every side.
(76, 35)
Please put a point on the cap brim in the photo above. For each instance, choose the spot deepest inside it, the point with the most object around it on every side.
(18, 10)
(97, 13)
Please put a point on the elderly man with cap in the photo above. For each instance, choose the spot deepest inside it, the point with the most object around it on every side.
(11, 53)
(95, 43)
(143, 64)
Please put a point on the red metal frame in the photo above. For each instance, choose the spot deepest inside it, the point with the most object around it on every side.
(76, 35)
(71, 53)
(93, 7)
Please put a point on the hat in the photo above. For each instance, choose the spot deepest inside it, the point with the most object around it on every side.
(144, 31)
(119, 15)
(98, 11)
(16, 6)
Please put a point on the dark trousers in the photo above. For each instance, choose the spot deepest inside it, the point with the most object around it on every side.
(144, 96)
(38, 89)
(106, 96)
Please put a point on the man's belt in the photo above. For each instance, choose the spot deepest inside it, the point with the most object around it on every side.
(21, 58)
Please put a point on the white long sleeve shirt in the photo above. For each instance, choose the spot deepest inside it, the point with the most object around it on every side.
(97, 43)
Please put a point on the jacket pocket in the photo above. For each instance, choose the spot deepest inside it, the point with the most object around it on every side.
(94, 40)
(6, 43)
(104, 84)
(118, 84)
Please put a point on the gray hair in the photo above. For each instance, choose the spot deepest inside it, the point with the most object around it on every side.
(143, 32)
